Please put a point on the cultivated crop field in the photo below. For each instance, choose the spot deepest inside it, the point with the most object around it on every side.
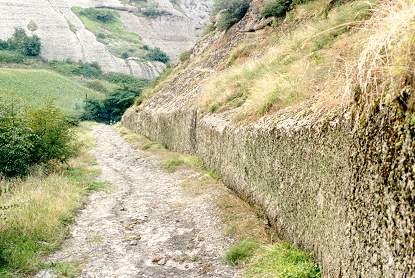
(36, 86)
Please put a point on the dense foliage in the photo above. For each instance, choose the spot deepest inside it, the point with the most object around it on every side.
(279, 8)
(88, 70)
(156, 54)
(126, 82)
(30, 136)
(110, 109)
(21, 42)
(229, 12)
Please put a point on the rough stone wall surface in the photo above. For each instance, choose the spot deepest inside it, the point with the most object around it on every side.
(173, 32)
(343, 191)
(382, 193)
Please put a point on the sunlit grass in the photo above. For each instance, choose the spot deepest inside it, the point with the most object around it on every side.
(36, 211)
(37, 85)
(300, 64)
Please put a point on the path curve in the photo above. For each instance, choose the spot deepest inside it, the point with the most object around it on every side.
(147, 225)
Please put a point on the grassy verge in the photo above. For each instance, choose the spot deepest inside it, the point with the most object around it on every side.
(257, 249)
(36, 212)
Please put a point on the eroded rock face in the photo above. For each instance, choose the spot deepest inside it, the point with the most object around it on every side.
(174, 32)
(64, 36)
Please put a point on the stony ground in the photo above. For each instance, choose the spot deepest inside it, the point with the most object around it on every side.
(146, 225)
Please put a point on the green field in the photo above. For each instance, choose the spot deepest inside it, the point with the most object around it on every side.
(37, 86)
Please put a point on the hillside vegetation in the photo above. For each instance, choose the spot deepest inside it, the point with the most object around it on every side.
(37, 86)
(108, 28)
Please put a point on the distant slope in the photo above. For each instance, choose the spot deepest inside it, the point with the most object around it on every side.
(64, 35)
(36, 86)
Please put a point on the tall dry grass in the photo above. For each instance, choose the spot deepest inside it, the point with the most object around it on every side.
(388, 56)
(307, 61)
(35, 211)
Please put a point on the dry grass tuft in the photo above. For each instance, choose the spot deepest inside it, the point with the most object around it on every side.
(389, 52)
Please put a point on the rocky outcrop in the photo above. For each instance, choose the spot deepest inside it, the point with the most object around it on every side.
(335, 184)
(176, 30)
(64, 36)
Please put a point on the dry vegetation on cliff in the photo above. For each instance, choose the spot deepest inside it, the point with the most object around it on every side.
(307, 60)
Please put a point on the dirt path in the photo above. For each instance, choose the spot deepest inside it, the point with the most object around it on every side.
(147, 225)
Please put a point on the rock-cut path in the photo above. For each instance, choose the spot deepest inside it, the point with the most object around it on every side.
(146, 225)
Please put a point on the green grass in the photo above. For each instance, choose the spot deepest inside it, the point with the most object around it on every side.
(66, 269)
(278, 260)
(153, 146)
(36, 212)
(35, 86)
(241, 251)
(176, 160)
(112, 33)
(282, 260)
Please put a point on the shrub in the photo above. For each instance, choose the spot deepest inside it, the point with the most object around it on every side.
(276, 8)
(102, 15)
(97, 85)
(32, 46)
(16, 142)
(125, 55)
(30, 136)
(279, 8)
(229, 12)
(88, 70)
(185, 56)
(110, 109)
(53, 138)
(126, 82)
(240, 251)
(20, 41)
(152, 10)
(156, 54)
(7, 56)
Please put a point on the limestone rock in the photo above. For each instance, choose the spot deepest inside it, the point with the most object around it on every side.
(65, 37)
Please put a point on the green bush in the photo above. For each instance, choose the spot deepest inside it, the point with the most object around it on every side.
(156, 54)
(20, 41)
(102, 15)
(110, 109)
(30, 136)
(16, 142)
(229, 12)
(276, 8)
(7, 56)
(126, 82)
(151, 10)
(185, 56)
(88, 70)
(53, 138)
(279, 8)
(97, 85)
(241, 251)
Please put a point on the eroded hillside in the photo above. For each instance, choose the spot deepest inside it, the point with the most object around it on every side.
(309, 115)
(171, 27)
